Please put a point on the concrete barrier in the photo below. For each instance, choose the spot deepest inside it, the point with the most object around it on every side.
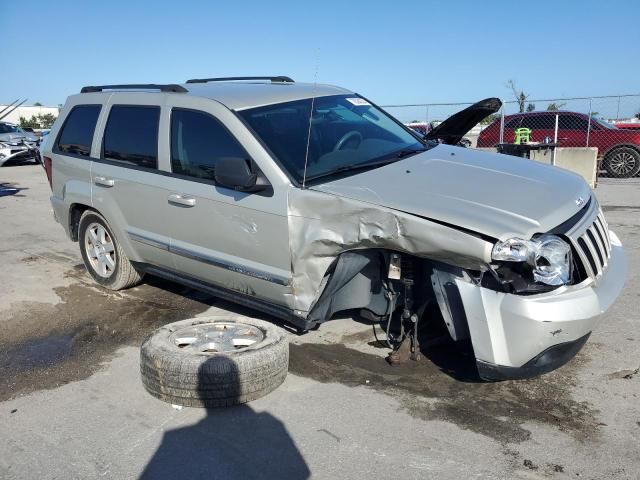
(580, 160)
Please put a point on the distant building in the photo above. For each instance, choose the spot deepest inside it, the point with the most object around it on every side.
(27, 112)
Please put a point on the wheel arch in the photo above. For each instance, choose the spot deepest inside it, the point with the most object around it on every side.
(620, 145)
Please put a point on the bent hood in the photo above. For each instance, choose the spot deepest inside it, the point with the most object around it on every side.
(458, 125)
(495, 195)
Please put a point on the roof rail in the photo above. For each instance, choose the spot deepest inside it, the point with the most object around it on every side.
(276, 79)
(137, 86)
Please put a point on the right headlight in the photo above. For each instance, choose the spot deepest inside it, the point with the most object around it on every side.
(548, 255)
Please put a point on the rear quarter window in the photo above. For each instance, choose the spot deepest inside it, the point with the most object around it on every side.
(131, 135)
(76, 135)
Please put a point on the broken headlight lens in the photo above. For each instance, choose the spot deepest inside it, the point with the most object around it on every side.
(548, 255)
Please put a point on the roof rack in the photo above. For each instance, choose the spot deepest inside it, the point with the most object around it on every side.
(276, 79)
(137, 86)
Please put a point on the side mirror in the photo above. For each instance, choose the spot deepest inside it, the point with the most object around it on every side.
(235, 173)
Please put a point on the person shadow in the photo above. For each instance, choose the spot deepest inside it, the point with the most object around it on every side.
(230, 442)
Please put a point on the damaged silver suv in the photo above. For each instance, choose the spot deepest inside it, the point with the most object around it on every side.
(303, 200)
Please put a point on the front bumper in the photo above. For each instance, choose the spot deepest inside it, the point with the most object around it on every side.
(517, 336)
(17, 154)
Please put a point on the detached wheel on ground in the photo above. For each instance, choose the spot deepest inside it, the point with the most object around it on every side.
(103, 257)
(214, 362)
(623, 162)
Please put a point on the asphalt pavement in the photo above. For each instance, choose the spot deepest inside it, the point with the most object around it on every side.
(72, 404)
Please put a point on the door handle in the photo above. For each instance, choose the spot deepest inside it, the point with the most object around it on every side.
(103, 181)
(181, 200)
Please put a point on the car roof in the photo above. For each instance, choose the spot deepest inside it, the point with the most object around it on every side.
(545, 112)
(241, 95)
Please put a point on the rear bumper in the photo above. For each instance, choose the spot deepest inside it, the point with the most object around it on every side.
(516, 336)
(61, 213)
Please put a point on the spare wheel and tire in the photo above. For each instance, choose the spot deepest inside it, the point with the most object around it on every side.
(214, 362)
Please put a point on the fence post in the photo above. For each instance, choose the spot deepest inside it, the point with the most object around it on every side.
(555, 141)
(618, 110)
(589, 120)
(502, 124)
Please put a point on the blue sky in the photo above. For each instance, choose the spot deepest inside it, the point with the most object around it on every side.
(391, 52)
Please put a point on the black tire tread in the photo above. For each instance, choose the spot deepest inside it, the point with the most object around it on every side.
(125, 275)
(215, 380)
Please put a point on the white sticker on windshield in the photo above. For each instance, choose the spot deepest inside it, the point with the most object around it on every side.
(358, 102)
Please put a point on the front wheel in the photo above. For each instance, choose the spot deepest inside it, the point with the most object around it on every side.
(103, 257)
(623, 162)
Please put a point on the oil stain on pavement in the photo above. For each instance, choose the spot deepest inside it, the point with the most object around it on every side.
(47, 345)
(445, 387)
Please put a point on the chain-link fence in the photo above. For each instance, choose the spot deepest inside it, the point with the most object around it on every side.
(609, 125)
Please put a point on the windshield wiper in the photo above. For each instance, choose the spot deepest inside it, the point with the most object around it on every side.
(353, 168)
(391, 158)
(408, 152)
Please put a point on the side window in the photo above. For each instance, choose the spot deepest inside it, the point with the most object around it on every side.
(572, 122)
(77, 132)
(539, 122)
(198, 140)
(131, 135)
(512, 123)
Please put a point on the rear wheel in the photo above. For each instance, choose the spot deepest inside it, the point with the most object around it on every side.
(623, 162)
(105, 260)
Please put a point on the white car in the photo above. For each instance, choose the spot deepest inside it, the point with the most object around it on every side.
(16, 145)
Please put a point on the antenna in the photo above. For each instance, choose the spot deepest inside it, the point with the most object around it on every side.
(313, 99)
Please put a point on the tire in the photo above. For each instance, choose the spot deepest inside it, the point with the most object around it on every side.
(204, 379)
(122, 273)
(623, 162)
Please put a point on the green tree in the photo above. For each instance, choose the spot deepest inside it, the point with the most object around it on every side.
(30, 123)
(638, 115)
(37, 104)
(46, 120)
(38, 121)
(531, 107)
(554, 107)
(490, 119)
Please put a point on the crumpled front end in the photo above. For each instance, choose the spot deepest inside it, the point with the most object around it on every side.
(517, 336)
(322, 226)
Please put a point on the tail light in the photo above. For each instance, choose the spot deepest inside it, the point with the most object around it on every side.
(46, 163)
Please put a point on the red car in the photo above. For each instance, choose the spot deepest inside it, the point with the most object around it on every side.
(618, 148)
(628, 126)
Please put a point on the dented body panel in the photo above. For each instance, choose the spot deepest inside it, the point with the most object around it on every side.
(322, 226)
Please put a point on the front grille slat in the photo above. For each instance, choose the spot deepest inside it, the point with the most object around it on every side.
(599, 249)
(587, 261)
(591, 242)
(591, 254)
(602, 245)
(601, 236)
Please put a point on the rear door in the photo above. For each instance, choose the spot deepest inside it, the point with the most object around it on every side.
(572, 130)
(71, 153)
(128, 188)
(235, 240)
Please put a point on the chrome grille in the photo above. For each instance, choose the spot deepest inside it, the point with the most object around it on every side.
(590, 239)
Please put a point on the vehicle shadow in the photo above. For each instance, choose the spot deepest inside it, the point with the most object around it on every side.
(213, 301)
(8, 189)
(232, 442)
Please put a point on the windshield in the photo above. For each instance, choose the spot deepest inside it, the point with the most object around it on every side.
(346, 131)
(8, 128)
(604, 124)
